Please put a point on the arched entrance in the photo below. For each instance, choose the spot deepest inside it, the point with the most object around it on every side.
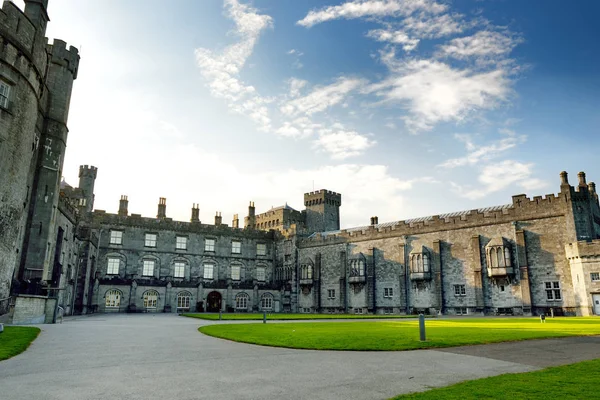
(213, 302)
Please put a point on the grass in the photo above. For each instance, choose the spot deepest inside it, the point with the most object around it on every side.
(288, 317)
(575, 381)
(16, 339)
(401, 335)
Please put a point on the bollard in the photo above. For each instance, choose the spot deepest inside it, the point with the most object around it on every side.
(422, 327)
(552, 312)
(264, 317)
(220, 315)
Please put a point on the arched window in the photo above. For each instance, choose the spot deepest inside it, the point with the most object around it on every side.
(241, 301)
(507, 261)
(492, 259)
(266, 301)
(113, 298)
(419, 263)
(150, 299)
(500, 257)
(183, 301)
(425, 263)
(309, 272)
(361, 268)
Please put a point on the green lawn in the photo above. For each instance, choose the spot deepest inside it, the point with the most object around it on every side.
(16, 339)
(575, 381)
(281, 317)
(401, 335)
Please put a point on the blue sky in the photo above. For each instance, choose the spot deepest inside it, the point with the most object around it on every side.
(407, 107)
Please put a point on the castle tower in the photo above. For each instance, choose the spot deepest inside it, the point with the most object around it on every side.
(36, 11)
(87, 179)
(322, 210)
(42, 242)
(250, 220)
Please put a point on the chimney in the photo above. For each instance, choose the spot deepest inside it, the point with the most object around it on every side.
(581, 177)
(251, 216)
(123, 204)
(236, 221)
(592, 187)
(218, 218)
(374, 220)
(195, 213)
(564, 180)
(162, 208)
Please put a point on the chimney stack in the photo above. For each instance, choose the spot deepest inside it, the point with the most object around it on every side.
(123, 204)
(374, 220)
(162, 208)
(236, 221)
(218, 219)
(195, 213)
(564, 180)
(592, 187)
(581, 177)
(251, 216)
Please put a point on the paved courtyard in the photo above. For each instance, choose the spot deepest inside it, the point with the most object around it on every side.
(165, 357)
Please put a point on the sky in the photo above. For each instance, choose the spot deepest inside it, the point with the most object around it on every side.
(407, 108)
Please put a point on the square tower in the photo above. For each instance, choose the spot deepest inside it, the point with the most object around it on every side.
(322, 210)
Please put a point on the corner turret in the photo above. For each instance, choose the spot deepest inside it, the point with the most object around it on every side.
(87, 179)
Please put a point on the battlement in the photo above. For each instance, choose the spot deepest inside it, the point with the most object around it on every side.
(322, 196)
(67, 58)
(88, 171)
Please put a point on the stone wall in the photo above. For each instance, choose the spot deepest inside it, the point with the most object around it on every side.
(33, 310)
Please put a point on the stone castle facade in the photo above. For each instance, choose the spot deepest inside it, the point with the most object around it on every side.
(60, 256)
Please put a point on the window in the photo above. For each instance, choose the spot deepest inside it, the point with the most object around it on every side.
(388, 292)
(209, 245)
(460, 290)
(236, 247)
(595, 276)
(150, 240)
(388, 310)
(183, 300)
(235, 272)
(331, 293)
(361, 269)
(260, 274)
(150, 299)
(113, 266)
(553, 290)
(4, 92)
(209, 270)
(113, 298)
(181, 243)
(261, 249)
(179, 271)
(266, 301)
(358, 311)
(148, 269)
(241, 301)
(116, 237)
(306, 272)
(420, 262)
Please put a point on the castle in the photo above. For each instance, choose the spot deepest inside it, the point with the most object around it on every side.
(60, 256)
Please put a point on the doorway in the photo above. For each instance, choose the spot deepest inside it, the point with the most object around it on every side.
(213, 302)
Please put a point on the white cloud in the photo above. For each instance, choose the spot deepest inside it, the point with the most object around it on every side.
(497, 176)
(370, 8)
(295, 86)
(222, 71)
(341, 144)
(394, 37)
(433, 92)
(429, 26)
(322, 97)
(477, 154)
(483, 44)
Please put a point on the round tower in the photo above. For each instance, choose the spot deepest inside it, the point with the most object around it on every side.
(87, 179)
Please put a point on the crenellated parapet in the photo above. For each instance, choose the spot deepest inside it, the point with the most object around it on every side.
(322, 197)
(68, 58)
